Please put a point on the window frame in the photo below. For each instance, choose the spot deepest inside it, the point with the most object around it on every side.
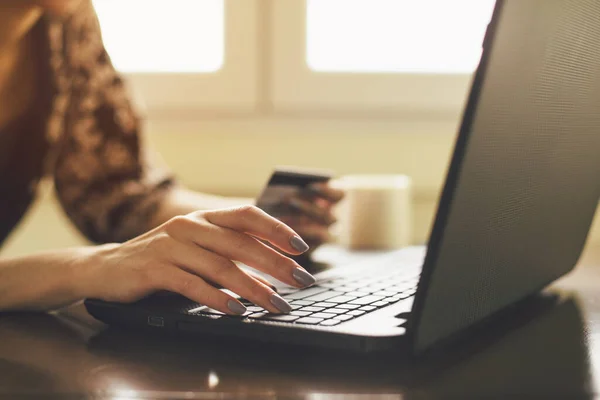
(232, 88)
(295, 87)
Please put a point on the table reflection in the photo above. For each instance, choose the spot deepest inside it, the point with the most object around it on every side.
(537, 349)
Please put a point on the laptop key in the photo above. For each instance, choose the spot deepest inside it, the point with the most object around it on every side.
(343, 317)
(323, 315)
(255, 308)
(312, 309)
(330, 285)
(258, 315)
(330, 322)
(301, 313)
(215, 316)
(336, 310)
(324, 296)
(346, 289)
(367, 281)
(207, 311)
(355, 284)
(357, 293)
(302, 302)
(363, 301)
(246, 314)
(341, 299)
(368, 308)
(324, 304)
(356, 313)
(302, 294)
(385, 293)
(282, 318)
(382, 303)
(309, 320)
(379, 286)
(347, 306)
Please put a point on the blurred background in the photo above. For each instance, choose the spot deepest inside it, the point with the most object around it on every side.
(231, 88)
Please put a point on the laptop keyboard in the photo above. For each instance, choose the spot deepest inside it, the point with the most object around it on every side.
(337, 300)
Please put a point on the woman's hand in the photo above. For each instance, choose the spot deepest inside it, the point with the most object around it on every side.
(309, 212)
(191, 254)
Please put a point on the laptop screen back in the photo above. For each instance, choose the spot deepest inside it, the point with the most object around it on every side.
(524, 181)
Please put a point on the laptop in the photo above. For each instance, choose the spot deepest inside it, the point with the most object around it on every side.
(515, 211)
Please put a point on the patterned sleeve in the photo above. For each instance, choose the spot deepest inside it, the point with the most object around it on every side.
(103, 176)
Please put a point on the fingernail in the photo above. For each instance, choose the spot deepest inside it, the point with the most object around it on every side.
(236, 307)
(298, 244)
(303, 277)
(280, 303)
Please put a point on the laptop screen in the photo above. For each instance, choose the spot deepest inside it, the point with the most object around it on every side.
(524, 181)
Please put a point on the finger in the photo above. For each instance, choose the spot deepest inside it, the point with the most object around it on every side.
(325, 191)
(261, 280)
(254, 221)
(319, 214)
(238, 246)
(314, 234)
(253, 275)
(217, 269)
(196, 289)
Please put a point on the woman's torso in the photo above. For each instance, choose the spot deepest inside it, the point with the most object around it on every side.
(18, 83)
(83, 130)
(23, 114)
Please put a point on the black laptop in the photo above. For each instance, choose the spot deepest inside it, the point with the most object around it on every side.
(520, 195)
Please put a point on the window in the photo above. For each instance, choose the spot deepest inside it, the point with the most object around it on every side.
(404, 57)
(191, 57)
(184, 57)
(144, 47)
(403, 36)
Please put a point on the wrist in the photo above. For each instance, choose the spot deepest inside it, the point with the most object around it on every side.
(182, 201)
(87, 270)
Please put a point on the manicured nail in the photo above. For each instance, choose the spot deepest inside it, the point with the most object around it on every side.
(280, 303)
(299, 244)
(236, 307)
(303, 277)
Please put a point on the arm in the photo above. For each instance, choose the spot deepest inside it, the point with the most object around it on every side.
(189, 255)
(106, 181)
(44, 281)
(181, 201)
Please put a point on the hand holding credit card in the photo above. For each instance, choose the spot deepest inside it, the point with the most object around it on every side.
(302, 199)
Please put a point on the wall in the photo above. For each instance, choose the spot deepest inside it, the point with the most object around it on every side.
(238, 154)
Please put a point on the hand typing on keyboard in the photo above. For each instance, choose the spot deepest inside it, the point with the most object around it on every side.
(338, 300)
(192, 254)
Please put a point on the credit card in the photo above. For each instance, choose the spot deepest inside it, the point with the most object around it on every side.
(287, 182)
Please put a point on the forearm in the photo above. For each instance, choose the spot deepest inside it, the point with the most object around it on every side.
(181, 201)
(44, 281)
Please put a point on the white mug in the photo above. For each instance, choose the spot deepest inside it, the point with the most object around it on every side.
(375, 213)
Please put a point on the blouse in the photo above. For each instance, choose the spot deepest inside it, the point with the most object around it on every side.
(83, 133)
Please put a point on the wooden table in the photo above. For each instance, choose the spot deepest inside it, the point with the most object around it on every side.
(547, 347)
